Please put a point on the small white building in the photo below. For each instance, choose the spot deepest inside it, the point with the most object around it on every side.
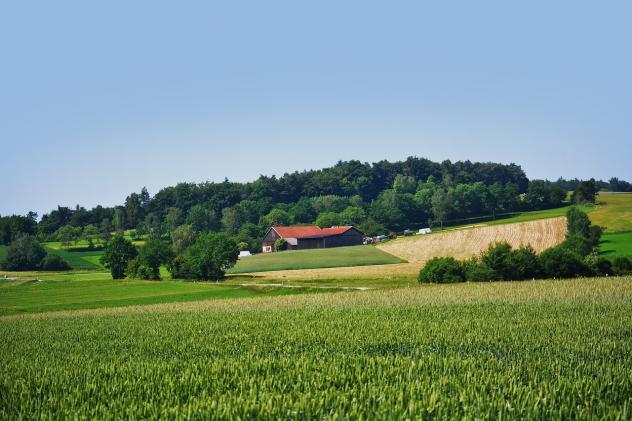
(424, 231)
(244, 253)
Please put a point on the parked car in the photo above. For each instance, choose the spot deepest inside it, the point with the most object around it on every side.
(408, 232)
(424, 231)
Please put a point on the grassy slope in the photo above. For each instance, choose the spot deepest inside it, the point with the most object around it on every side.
(80, 259)
(317, 258)
(98, 290)
(522, 350)
(616, 244)
(613, 212)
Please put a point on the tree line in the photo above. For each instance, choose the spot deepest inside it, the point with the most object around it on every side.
(374, 197)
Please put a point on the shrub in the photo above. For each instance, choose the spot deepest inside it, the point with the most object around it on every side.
(182, 267)
(442, 270)
(211, 255)
(579, 245)
(525, 264)
(54, 262)
(622, 266)
(280, 244)
(476, 271)
(560, 262)
(498, 258)
(151, 256)
(24, 253)
(139, 270)
(599, 266)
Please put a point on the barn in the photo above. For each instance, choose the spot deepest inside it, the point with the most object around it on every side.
(312, 237)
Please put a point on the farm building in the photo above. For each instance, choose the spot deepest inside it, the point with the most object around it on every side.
(311, 237)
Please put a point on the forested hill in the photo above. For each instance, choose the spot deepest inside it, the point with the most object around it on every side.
(376, 197)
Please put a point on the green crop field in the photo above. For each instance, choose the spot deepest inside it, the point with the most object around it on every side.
(316, 258)
(80, 259)
(72, 291)
(522, 350)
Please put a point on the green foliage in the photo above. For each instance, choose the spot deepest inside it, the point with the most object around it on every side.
(182, 237)
(12, 227)
(577, 223)
(210, 256)
(53, 262)
(202, 219)
(328, 219)
(526, 264)
(560, 262)
(599, 266)
(280, 244)
(498, 258)
(117, 255)
(24, 253)
(585, 192)
(622, 265)
(442, 270)
(151, 256)
(277, 217)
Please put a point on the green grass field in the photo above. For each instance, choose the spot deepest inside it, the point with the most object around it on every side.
(613, 212)
(316, 258)
(616, 244)
(522, 350)
(80, 259)
(73, 291)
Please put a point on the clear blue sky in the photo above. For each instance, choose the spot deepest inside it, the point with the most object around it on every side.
(98, 99)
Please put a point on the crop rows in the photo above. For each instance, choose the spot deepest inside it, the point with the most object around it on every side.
(356, 354)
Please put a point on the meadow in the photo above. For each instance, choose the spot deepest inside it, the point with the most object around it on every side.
(616, 244)
(541, 349)
(42, 292)
(316, 258)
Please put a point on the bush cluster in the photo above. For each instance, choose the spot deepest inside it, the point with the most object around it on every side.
(26, 253)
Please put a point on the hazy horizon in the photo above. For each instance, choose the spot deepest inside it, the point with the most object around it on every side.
(99, 100)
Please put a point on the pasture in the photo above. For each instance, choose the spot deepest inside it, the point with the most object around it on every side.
(315, 258)
(616, 244)
(541, 349)
(89, 290)
(613, 212)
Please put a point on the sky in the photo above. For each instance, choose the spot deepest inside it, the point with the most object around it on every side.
(98, 99)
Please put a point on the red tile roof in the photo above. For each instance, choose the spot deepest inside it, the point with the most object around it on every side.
(309, 232)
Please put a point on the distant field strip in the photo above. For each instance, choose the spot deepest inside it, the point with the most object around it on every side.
(316, 258)
(92, 290)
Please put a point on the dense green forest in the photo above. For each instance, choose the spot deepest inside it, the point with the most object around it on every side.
(375, 197)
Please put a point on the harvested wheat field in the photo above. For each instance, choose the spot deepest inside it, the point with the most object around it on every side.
(461, 244)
